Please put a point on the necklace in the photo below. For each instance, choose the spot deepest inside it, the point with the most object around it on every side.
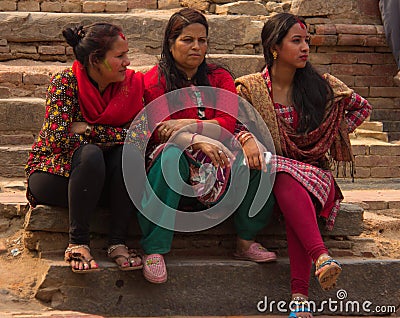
(189, 78)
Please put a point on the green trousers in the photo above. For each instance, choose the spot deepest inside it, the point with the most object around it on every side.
(158, 240)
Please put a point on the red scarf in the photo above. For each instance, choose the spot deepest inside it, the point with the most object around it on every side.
(118, 105)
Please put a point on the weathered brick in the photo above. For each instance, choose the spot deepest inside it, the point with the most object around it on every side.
(51, 50)
(378, 40)
(394, 204)
(8, 5)
(4, 49)
(71, 7)
(360, 149)
(369, 7)
(362, 172)
(354, 69)
(380, 103)
(3, 42)
(373, 81)
(142, 4)
(388, 70)
(347, 79)
(38, 79)
(28, 6)
(377, 205)
(5, 92)
(10, 77)
(363, 91)
(355, 29)
(371, 58)
(325, 29)
(19, 48)
(324, 40)
(377, 160)
(320, 58)
(93, 6)
(344, 58)
(385, 92)
(48, 6)
(168, 4)
(116, 6)
(385, 172)
(352, 39)
(389, 150)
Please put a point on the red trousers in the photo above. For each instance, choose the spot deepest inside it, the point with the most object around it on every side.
(304, 239)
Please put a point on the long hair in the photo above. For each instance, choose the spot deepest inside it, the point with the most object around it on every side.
(91, 43)
(311, 92)
(175, 78)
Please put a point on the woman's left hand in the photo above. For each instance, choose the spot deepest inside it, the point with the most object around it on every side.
(167, 128)
(79, 127)
(254, 154)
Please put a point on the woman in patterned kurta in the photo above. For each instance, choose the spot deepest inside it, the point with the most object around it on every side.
(77, 156)
(309, 117)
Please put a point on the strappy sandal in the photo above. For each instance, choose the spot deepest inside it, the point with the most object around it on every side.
(70, 256)
(298, 305)
(327, 271)
(132, 261)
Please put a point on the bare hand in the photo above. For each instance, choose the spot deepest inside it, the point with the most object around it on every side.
(169, 127)
(215, 150)
(78, 127)
(254, 154)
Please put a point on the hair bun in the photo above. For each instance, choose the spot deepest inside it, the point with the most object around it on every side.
(74, 35)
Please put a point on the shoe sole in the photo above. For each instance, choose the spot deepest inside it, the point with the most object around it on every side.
(155, 280)
(264, 260)
(328, 278)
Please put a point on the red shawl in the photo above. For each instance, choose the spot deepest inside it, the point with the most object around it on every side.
(118, 105)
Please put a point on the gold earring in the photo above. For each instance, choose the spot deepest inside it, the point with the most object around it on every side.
(275, 54)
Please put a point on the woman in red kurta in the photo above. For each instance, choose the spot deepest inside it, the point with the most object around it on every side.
(198, 123)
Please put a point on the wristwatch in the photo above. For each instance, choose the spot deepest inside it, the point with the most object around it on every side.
(88, 130)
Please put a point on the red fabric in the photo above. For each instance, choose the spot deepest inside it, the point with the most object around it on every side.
(219, 78)
(119, 103)
(304, 239)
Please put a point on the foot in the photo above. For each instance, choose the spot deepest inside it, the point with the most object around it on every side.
(300, 307)
(396, 78)
(327, 271)
(126, 259)
(80, 259)
(255, 252)
(154, 269)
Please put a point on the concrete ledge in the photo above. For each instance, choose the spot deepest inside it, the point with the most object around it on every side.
(213, 286)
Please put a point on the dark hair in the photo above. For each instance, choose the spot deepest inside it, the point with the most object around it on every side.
(311, 92)
(175, 78)
(91, 43)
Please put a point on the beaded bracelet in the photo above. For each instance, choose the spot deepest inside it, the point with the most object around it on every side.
(192, 139)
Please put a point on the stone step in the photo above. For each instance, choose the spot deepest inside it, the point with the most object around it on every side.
(238, 34)
(216, 286)
(372, 125)
(366, 133)
(44, 223)
(25, 78)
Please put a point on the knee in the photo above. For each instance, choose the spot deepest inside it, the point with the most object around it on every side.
(89, 157)
(173, 155)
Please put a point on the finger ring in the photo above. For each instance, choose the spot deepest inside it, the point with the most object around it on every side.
(220, 151)
(165, 129)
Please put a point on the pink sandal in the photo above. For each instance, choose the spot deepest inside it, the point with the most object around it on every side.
(154, 269)
(256, 253)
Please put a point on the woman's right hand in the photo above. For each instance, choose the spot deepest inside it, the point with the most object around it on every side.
(254, 154)
(214, 149)
(78, 127)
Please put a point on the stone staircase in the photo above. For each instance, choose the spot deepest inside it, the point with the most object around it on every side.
(203, 278)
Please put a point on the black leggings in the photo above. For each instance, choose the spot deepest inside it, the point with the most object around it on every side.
(96, 179)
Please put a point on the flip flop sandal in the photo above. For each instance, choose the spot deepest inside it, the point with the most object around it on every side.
(133, 263)
(70, 256)
(331, 270)
(300, 306)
